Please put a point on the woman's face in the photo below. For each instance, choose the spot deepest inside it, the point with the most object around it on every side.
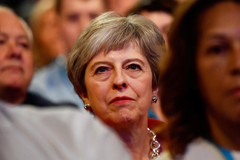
(218, 61)
(119, 86)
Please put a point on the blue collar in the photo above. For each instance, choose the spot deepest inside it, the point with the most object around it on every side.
(226, 153)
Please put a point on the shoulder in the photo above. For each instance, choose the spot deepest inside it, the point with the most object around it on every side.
(48, 76)
(66, 128)
(165, 156)
(63, 116)
(59, 63)
(236, 154)
(48, 70)
(202, 149)
(198, 149)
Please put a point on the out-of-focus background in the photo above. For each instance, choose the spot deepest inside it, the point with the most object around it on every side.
(21, 7)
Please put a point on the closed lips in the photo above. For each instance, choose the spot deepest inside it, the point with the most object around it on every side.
(12, 67)
(120, 98)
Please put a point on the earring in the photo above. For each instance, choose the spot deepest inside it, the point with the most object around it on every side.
(154, 99)
(87, 107)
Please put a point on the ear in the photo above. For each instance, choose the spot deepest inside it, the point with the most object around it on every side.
(155, 91)
(84, 97)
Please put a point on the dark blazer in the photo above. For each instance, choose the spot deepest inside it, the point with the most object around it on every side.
(40, 102)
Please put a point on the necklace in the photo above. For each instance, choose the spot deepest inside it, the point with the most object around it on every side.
(154, 144)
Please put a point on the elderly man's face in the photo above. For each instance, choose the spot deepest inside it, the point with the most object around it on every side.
(75, 15)
(16, 64)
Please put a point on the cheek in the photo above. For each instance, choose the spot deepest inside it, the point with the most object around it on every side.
(143, 89)
(68, 30)
(71, 36)
(96, 91)
(45, 40)
(212, 79)
(97, 95)
(3, 50)
(29, 66)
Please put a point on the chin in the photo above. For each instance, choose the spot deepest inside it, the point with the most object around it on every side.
(125, 119)
(16, 85)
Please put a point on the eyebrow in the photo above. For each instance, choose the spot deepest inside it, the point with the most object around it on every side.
(217, 36)
(133, 60)
(18, 37)
(109, 63)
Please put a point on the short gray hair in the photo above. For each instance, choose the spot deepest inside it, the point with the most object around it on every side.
(111, 31)
(22, 22)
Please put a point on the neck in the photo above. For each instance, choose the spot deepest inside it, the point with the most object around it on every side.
(225, 134)
(13, 95)
(137, 140)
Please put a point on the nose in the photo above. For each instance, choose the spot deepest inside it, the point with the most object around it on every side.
(15, 51)
(119, 81)
(234, 60)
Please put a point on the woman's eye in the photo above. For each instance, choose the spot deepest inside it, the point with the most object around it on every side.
(101, 70)
(134, 67)
(217, 49)
(2, 41)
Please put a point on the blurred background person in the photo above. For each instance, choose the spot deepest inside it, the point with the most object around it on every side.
(51, 81)
(121, 6)
(200, 81)
(16, 63)
(114, 69)
(158, 11)
(48, 42)
(75, 15)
